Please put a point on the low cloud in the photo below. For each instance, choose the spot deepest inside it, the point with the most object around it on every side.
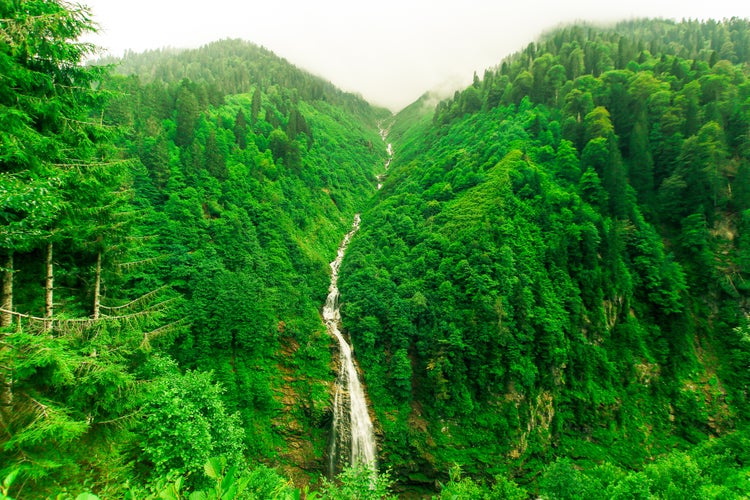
(391, 52)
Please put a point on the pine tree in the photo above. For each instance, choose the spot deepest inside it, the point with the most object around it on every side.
(256, 105)
(240, 130)
(62, 192)
(642, 163)
(214, 159)
(187, 115)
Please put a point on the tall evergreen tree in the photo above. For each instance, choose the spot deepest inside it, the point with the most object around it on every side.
(240, 130)
(58, 185)
(187, 115)
(256, 105)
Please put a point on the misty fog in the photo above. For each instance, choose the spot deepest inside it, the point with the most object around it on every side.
(391, 51)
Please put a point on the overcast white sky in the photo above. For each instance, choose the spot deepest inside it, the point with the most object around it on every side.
(390, 51)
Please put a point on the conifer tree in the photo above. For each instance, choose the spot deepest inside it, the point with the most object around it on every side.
(61, 193)
(187, 115)
(255, 110)
(240, 130)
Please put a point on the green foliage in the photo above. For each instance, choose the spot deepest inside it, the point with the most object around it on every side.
(263, 482)
(712, 470)
(7, 483)
(555, 267)
(359, 483)
(228, 482)
(185, 422)
(561, 480)
(464, 488)
(224, 482)
(71, 390)
(558, 260)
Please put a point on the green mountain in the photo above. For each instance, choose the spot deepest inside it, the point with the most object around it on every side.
(547, 297)
(240, 180)
(248, 188)
(555, 266)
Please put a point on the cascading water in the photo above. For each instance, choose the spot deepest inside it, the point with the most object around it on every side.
(353, 441)
(389, 150)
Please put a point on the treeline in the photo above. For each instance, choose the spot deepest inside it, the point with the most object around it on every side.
(556, 265)
(230, 67)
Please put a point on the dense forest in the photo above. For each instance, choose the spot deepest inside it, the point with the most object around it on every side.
(555, 267)
(547, 297)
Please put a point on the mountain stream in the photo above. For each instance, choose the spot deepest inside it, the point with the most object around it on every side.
(352, 440)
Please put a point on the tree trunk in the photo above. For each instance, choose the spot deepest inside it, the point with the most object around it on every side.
(49, 308)
(6, 318)
(97, 285)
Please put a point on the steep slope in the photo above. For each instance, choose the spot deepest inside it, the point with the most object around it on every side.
(205, 258)
(556, 264)
(252, 173)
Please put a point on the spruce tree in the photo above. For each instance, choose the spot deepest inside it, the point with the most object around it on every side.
(62, 193)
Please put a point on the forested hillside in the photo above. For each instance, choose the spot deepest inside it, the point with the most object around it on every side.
(556, 266)
(166, 237)
(247, 183)
(547, 298)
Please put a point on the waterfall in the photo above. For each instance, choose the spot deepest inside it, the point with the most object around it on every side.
(353, 441)
(388, 149)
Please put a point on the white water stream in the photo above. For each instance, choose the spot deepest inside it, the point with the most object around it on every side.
(389, 150)
(353, 441)
(352, 427)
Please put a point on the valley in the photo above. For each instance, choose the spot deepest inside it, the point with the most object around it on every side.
(223, 277)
